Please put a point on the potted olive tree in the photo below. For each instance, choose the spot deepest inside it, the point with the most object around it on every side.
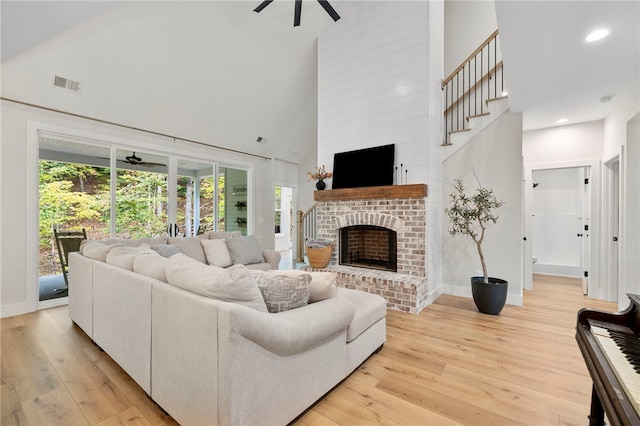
(470, 214)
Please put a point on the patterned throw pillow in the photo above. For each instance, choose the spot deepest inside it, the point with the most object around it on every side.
(282, 293)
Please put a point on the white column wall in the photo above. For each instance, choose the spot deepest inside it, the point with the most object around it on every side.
(494, 156)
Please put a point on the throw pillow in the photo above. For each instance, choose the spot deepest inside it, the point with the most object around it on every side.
(322, 285)
(235, 284)
(123, 257)
(282, 293)
(166, 250)
(97, 251)
(151, 264)
(217, 253)
(245, 250)
(190, 246)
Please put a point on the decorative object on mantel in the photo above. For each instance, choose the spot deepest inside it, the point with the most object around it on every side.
(470, 215)
(399, 177)
(320, 175)
(319, 252)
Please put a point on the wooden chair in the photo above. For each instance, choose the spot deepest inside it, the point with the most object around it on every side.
(67, 242)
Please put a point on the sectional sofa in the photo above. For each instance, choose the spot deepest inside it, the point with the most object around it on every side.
(216, 345)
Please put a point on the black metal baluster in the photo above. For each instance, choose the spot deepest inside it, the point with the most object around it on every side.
(495, 67)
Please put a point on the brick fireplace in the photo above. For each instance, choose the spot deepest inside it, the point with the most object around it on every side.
(397, 212)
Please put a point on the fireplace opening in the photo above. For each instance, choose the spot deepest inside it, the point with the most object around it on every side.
(367, 246)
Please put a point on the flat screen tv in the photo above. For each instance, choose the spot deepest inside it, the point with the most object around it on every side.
(363, 167)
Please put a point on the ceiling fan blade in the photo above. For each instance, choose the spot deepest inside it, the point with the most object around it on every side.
(330, 10)
(298, 12)
(262, 5)
(151, 164)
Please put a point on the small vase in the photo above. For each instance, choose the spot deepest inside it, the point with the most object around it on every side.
(320, 185)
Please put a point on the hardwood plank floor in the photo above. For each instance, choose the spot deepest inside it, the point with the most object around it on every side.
(447, 365)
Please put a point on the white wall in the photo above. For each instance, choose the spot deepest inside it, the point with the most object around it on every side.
(19, 191)
(373, 84)
(630, 241)
(495, 155)
(563, 143)
(467, 24)
(379, 76)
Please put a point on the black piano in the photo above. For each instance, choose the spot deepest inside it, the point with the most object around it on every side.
(610, 345)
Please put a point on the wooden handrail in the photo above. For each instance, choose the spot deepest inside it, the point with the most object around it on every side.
(463, 63)
(300, 235)
(492, 71)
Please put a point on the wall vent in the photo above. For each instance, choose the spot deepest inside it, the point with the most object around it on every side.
(66, 83)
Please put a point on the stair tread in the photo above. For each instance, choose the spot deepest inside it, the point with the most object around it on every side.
(499, 98)
(478, 115)
(459, 131)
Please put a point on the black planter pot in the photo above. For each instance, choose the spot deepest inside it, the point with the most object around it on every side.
(489, 298)
(320, 185)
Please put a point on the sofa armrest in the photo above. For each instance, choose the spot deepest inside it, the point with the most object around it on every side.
(290, 332)
(272, 257)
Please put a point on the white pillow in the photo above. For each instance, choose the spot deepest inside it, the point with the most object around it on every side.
(97, 251)
(235, 284)
(245, 250)
(217, 253)
(123, 257)
(151, 264)
(322, 285)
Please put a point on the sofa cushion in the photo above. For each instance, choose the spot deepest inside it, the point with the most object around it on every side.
(245, 250)
(369, 309)
(235, 284)
(224, 235)
(136, 242)
(217, 253)
(123, 257)
(151, 264)
(322, 285)
(190, 246)
(282, 293)
(166, 250)
(96, 250)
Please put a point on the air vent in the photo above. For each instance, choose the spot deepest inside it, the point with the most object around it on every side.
(65, 83)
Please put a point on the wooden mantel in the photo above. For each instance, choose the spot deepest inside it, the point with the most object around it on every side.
(393, 191)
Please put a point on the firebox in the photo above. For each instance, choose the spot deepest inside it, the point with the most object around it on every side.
(367, 246)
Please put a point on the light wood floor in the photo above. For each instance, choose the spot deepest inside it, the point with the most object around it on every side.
(447, 365)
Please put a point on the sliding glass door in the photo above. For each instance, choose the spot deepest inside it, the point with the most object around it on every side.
(141, 194)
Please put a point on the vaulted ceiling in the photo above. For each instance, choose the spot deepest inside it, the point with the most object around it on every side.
(215, 72)
(219, 73)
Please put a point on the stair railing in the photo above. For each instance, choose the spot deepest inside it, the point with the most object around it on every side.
(306, 229)
(477, 80)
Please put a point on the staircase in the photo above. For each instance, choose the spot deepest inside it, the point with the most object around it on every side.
(474, 95)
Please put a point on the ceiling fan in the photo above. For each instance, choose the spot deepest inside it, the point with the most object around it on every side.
(298, 10)
(137, 161)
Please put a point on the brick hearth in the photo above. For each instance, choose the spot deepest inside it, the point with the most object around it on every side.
(399, 208)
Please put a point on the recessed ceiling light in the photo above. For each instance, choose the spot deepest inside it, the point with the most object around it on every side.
(562, 120)
(597, 35)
